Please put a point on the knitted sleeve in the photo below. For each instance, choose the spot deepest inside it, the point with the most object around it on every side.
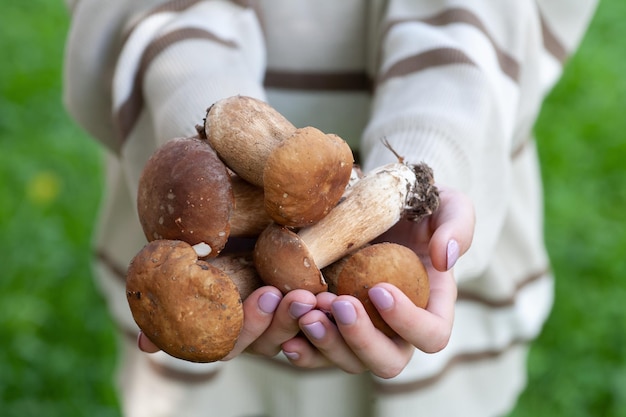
(459, 86)
(154, 66)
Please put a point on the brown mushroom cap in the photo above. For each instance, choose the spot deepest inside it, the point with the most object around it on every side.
(283, 261)
(305, 176)
(381, 262)
(188, 308)
(185, 194)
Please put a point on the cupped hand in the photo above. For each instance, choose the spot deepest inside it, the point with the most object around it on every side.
(352, 343)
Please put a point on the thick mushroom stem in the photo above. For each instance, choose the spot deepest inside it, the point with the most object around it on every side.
(248, 217)
(373, 205)
(240, 269)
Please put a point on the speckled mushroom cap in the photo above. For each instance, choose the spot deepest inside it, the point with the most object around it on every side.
(305, 176)
(185, 194)
(381, 262)
(188, 308)
(283, 260)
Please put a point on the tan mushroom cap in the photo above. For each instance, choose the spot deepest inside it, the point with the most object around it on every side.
(188, 308)
(382, 262)
(305, 176)
(185, 194)
(284, 261)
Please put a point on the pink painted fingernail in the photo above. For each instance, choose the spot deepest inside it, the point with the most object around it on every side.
(297, 310)
(294, 356)
(315, 330)
(344, 312)
(452, 253)
(381, 298)
(268, 302)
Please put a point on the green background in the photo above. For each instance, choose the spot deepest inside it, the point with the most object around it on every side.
(57, 346)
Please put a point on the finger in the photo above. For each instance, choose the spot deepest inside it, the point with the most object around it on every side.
(385, 357)
(452, 227)
(427, 329)
(284, 325)
(145, 345)
(301, 353)
(325, 337)
(258, 311)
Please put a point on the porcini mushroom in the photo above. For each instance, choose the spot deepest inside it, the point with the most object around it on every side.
(388, 262)
(187, 307)
(303, 171)
(244, 131)
(187, 193)
(305, 176)
(290, 260)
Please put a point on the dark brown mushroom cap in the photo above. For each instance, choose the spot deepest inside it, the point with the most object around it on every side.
(283, 261)
(188, 308)
(305, 176)
(185, 194)
(382, 262)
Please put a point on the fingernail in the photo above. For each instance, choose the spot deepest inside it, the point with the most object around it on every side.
(452, 253)
(296, 309)
(381, 298)
(292, 355)
(315, 330)
(268, 302)
(141, 343)
(344, 312)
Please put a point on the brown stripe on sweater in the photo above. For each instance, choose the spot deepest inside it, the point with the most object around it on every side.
(520, 148)
(335, 81)
(425, 60)
(552, 43)
(128, 113)
(116, 269)
(173, 6)
(503, 302)
(460, 359)
(508, 64)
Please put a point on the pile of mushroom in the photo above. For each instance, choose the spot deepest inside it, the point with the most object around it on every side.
(295, 194)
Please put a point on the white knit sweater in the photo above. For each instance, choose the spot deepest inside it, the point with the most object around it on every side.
(457, 84)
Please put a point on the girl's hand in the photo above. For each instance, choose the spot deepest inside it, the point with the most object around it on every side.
(352, 342)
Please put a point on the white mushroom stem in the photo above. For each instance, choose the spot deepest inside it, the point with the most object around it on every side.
(202, 249)
(372, 206)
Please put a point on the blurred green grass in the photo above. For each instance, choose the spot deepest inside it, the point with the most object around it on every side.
(58, 349)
